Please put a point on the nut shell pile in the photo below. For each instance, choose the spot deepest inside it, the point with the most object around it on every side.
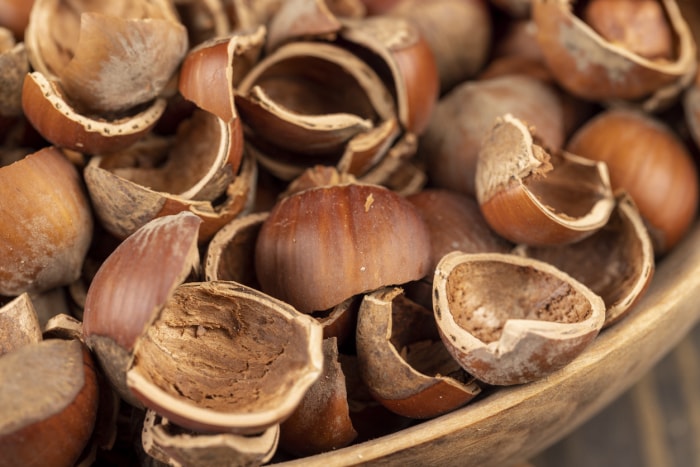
(244, 232)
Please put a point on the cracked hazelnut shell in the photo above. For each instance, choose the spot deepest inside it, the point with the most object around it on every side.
(511, 320)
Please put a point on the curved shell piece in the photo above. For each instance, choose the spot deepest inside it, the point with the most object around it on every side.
(222, 357)
(510, 320)
(530, 196)
(402, 360)
(591, 67)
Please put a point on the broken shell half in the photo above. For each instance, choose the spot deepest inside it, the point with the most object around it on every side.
(176, 446)
(60, 123)
(220, 356)
(403, 361)
(123, 205)
(510, 320)
(19, 324)
(590, 66)
(617, 262)
(530, 196)
(210, 356)
(321, 422)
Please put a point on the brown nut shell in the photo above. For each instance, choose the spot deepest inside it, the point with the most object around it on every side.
(323, 245)
(231, 252)
(648, 160)
(459, 33)
(19, 324)
(321, 422)
(173, 445)
(402, 49)
(212, 70)
(450, 146)
(511, 320)
(616, 262)
(120, 63)
(589, 66)
(530, 196)
(47, 420)
(57, 121)
(402, 360)
(47, 223)
(123, 206)
(222, 357)
(120, 304)
(456, 223)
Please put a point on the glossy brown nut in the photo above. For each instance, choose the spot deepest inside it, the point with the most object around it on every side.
(14, 15)
(456, 223)
(323, 245)
(648, 160)
(459, 33)
(450, 146)
(511, 320)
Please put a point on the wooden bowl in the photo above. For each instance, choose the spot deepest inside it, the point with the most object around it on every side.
(513, 424)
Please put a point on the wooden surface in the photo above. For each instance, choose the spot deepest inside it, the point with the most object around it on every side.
(656, 423)
(515, 424)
